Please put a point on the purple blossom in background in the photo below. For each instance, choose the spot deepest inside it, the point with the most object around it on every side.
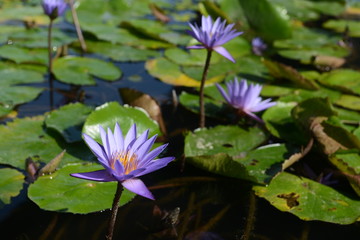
(245, 97)
(213, 35)
(258, 46)
(54, 8)
(125, 159)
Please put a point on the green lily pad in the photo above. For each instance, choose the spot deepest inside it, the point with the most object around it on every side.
(170, 73)
(120, 53)
(11, 74)
(278, 121)
(68, 120)
(28, 135)
(11, 183)
(108, 114)
(351, 27)
(77, 195)
(346, 80)
(349, 102)
(231, 140)
(80, 71)
(23, 55)
(309, 200)
(274, 23)
(11, 96)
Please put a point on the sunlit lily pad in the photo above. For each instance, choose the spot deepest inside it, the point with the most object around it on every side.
(80, 71)
(77, 195)
(351, 27)
(14, 95)
(11, 183)
(68, 120)
(231, 140)
(108, 114)
(349, 101)
(26, 138)
(121, 53)
(170, 73)
(309, 200)
(346, 80)
(22, 55)
(12, 74)
(274, 22)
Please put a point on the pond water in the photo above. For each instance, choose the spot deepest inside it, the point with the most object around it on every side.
(293, 176)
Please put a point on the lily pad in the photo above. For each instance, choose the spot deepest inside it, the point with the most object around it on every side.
(351, 27)
(47, 190)
(10, 96)
(68, 120)
(231, 140)
(28, 135)
(346, 80)
(11, 183)
(11, 74)
(170, 73)
(120, 53)
(309, 200)
(109, 114)
(23, 55)
(80, 71)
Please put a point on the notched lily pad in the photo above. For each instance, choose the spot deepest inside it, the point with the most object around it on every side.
(11, 183)
(47, 190)
(309, 200)
(68, 120)
(80, 71)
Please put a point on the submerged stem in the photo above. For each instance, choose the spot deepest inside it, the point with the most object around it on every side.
(250, 220)
(201, 93)
(114, 210)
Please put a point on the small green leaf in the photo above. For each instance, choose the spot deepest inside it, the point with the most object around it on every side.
(345, 80)
(231, 140)
(11, 183)
(77, 195)
(68, 120)
(80, 71)
(309, 200)
(108, 114)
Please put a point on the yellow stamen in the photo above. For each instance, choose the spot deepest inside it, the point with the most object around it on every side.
(128, 161)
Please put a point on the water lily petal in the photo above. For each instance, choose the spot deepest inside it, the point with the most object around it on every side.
(224, 52)
(99, 176)
(137, 186)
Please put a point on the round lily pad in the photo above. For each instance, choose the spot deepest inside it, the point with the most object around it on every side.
(109, 114)
(11, 183)
(63, 193)
(80, 71)
(309, 200)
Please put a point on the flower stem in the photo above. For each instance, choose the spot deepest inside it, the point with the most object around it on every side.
(201, 93)
(77, 27)
(49, 46)
(114, 210)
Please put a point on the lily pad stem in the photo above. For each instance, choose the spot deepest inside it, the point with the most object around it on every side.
(201, 93)
(114, 210)
(77, 27)
(49, 46)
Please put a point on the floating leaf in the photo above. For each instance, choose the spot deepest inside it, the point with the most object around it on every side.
(170, 73)
(23, 55)
(11, 183)
(231, 140)
(135, 98)
(274, 22)
(309, 200)
(278, 121)
(78, 70)
(68, 120)
(26, 138)
(77, 195)
(349, 102)
(120, 53)
(108, 114)
(14, 95)
(346, 80)
(12, 74)
(350, 27)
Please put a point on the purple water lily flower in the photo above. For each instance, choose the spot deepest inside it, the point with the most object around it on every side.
(245, 97)
(125, 159)
(258, 46)
(213, 35)
(54, 8)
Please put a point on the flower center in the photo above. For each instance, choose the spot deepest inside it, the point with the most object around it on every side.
(127, 160)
